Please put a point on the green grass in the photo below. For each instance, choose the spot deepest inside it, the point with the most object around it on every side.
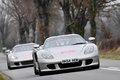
(110, 54)
(1, 76)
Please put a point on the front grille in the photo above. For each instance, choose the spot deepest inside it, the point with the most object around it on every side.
(27, 62)
(68, 65)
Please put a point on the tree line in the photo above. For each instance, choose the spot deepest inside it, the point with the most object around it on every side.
(36, 19)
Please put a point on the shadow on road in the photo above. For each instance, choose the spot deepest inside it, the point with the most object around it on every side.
(67, 71)
(14, 68)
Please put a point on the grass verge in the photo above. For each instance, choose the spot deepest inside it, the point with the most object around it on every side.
(110, 54)
(4, 76)
(1, 77)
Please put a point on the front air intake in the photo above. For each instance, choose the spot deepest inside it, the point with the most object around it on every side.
(88, 61)
(51, 66)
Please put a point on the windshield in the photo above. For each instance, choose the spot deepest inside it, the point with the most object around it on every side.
(23, 48)
(64, 41)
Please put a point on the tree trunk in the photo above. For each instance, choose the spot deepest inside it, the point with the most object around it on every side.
(45, 22)
(40, 27)
(22, 33)
(92, 15)
(43, 18)
(67, 17)
(93, 26)
(3, 40)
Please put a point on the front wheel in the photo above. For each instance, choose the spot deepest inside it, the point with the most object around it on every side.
(39, 70)
(8, 65)
(97, 66)
(34, 66)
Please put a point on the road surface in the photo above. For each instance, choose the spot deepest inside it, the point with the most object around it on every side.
(109, 70)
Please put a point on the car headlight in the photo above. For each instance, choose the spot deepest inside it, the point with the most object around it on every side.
(13, 57)
(89, 50)
(47, 56)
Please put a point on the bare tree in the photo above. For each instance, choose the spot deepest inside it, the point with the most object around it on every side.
(78, 12)
(94, 7)
(75, 16)
(23, 11)
(42, 7)
(56, 19)
(4, 26)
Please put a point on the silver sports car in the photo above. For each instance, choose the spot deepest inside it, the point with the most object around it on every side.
(20, 55)
(65, 52)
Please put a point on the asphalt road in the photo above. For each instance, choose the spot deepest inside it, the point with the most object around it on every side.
(109, 70)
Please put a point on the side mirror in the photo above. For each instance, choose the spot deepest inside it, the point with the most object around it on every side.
(7, 51)
(36, 46)
(91, 39)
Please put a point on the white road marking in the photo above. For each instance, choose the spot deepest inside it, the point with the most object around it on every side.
(111, 68)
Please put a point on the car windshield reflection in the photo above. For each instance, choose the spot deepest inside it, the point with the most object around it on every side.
(64, 41)
(22, 48)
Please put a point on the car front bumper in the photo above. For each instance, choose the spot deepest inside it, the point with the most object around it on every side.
(58, 65)
(20, 63)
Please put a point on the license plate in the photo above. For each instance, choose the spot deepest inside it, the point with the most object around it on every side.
(69, 61)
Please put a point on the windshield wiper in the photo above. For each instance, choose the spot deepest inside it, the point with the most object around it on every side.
(78, 43)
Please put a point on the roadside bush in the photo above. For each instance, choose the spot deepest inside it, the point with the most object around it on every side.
(109, 44)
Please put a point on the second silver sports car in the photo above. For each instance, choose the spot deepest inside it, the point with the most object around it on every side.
(65, 52)
(20, 55)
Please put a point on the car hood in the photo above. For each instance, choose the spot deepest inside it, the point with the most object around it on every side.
(24, 55)
(67, 51)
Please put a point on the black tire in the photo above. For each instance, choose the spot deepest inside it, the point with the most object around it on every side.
(39, 70)
(8, 65)
(97, 66)
(34, 66)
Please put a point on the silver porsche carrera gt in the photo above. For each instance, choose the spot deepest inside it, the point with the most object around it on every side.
(20, 55)
(65, 52)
